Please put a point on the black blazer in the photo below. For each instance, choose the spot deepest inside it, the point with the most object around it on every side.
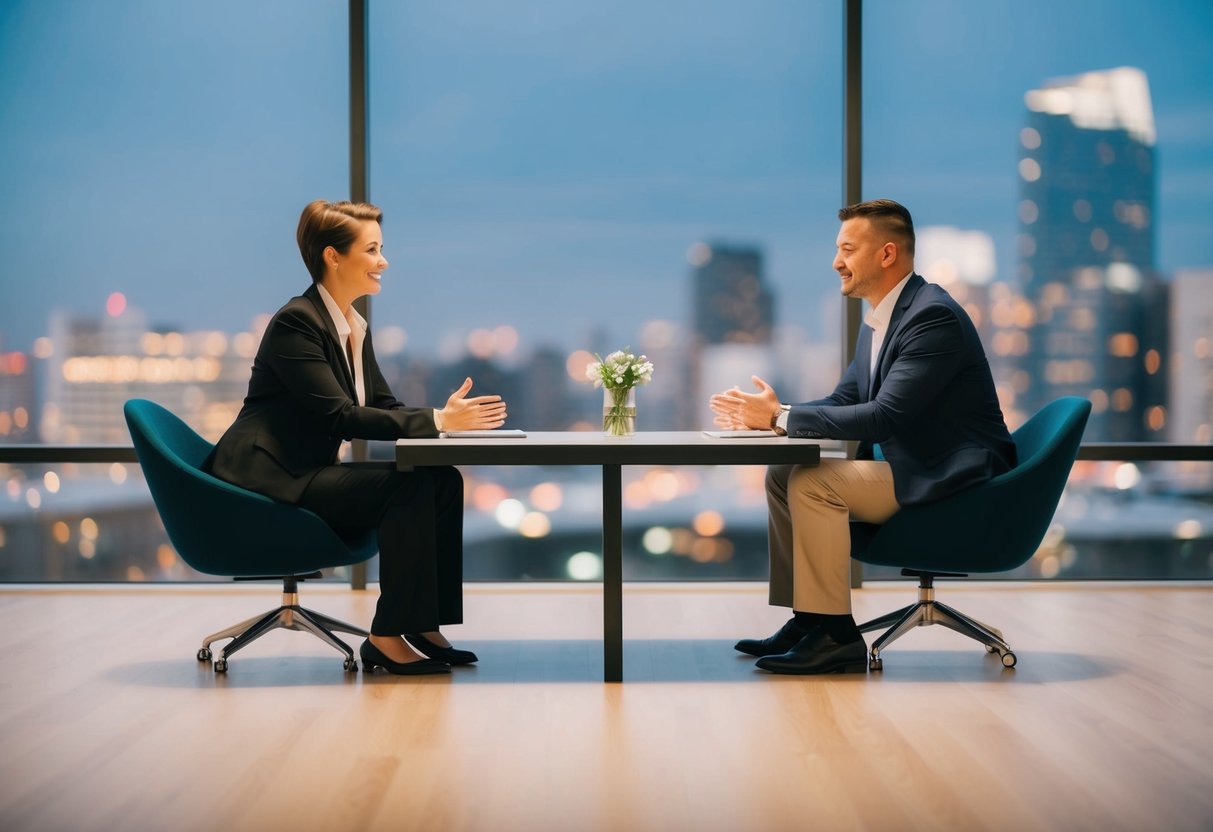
(931, 405)
(301, 404)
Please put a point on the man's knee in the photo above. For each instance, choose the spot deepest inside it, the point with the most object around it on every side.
(777, 478)
(815, 482)
(802, 476)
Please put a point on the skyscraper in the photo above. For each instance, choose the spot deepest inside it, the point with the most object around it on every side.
(732, 304)
(96, 364)
(18, 413)
(732, 323)
(961, 261)
(1096, 316)
(1190, 417)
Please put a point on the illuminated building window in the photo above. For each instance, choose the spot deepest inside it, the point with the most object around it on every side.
(1122, 399)
(1055, 294)
(1131, 213)
(1156, 418)
(1029, 169)
(1123, 345)
(1025, 315)
(1073, 371)
(1152, 361)
(1082, 319)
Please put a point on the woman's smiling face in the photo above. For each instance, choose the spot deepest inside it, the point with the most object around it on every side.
(359, 271)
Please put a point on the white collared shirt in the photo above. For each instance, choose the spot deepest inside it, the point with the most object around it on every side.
(352, 326)
(879, 317)
(878, 320)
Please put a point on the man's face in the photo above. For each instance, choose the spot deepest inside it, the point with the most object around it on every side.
(861, 250)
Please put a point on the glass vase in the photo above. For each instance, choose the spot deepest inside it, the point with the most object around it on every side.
(618, 411)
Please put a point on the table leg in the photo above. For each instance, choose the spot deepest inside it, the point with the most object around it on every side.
(612, 573)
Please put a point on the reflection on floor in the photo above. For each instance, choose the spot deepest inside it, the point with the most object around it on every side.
(108, 722)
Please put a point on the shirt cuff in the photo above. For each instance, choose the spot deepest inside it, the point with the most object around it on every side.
(782, 419)
(437, 420)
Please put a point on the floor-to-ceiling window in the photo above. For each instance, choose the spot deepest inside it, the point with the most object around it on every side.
(564, 178)
(154, 158)
(1059, 162)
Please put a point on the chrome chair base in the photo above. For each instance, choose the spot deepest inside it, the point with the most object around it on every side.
(928, 611)
(288, 616)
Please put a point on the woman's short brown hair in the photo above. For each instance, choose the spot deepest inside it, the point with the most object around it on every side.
(335, 224)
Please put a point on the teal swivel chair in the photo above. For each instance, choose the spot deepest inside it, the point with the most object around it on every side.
(992, 527)
(221, 529)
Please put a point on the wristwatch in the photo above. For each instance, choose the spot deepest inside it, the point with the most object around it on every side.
(783, 408)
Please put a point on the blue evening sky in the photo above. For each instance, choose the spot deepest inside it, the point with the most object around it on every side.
(542, 164)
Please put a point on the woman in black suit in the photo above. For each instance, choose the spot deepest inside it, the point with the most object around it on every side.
(315, 382)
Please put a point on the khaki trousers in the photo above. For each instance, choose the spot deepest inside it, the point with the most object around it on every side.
(809, 536)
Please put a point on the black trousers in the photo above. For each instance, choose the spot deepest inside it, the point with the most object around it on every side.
(419, 518)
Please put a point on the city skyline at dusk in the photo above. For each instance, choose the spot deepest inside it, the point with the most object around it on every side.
(581, 179)
(558, 179)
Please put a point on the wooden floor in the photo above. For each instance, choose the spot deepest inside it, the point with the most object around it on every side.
(107, 722)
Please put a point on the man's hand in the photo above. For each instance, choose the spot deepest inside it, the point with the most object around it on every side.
(479, 413)
(736, 410)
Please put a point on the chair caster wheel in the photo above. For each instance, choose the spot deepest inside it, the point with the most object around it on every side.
(875, 664)
(350, 666)
(221, 666)
(1008, 659)
(204, 655)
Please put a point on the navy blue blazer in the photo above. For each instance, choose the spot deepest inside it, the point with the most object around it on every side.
(930, 404)
(301, 404)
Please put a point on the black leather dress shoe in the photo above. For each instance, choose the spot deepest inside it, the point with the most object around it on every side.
(819, 653)
(450, 655)
(372, 657)
(783, 641)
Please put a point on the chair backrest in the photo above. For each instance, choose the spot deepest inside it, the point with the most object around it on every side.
(220, 528)
(994, 526)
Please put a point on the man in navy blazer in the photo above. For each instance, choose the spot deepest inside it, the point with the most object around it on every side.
(919, 389)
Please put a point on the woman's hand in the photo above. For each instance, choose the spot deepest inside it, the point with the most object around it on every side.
(736, 410)
(479, 413)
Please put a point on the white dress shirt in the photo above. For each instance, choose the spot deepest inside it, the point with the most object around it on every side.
(878, 319)
(351, 326)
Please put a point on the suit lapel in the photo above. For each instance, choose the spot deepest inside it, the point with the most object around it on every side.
(899, 310)
(863, 359)
(340, 369)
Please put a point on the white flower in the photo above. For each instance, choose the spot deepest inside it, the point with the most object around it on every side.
(620, 370)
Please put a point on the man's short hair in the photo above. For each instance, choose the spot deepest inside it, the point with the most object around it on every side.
(892, 217)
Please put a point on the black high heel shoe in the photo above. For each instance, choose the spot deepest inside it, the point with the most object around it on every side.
(450, 655)
(373, 657)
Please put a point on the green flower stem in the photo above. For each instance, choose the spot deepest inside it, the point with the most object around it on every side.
(618, 419)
